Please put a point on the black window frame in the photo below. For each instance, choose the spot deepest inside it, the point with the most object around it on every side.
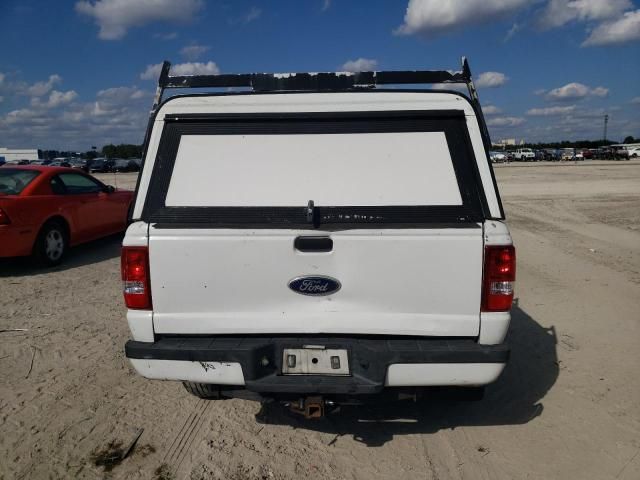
(474, 207)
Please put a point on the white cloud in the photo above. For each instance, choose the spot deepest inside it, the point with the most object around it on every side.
(550, 111)
(559, 12)
(56, 99)
(117, 115)
(599, 92)
(491, 110)
(21, 115)
(121, 95)
(635, 101)
(111, 101)
(42, 88)
(326, 4)
(456, 87)
(505, 121)
(195, 68)
(193, 52)
(484, 80)
(152, 72)
(431, 18)
(575, 91)
(360, 65)
(622, 30)
(491, 80)
(434, 17)
(253, 14)
(115, 17)
(515, 28)
(37, 89)
(1, 99)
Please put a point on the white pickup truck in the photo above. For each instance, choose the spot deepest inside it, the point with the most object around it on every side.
(317, 239)
(524, 155)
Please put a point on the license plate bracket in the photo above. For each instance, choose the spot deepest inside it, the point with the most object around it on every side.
(315, 360)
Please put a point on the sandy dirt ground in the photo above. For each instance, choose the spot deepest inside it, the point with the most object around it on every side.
(566, 407)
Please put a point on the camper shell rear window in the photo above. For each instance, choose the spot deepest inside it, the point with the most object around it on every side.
(315, 170)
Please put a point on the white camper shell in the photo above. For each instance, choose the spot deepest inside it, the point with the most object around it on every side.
(317, 243)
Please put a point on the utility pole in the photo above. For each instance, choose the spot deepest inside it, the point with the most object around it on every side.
(606, 121)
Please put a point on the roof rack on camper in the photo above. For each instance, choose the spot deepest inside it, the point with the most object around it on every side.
(323, 81)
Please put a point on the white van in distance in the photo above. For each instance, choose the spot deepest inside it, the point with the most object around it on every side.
(317, 240)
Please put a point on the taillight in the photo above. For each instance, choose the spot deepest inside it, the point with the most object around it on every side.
(498, 278)
(4, 218)
(135, 277)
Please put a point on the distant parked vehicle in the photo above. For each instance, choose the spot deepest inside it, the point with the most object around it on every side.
(63, 163)
(79, 164)
(100, 165)
(124, 165)
(552, 154)
(2, 161)
(587, 154)
(23, 162)
(621, 153)
(605, 153)
(634, 152)
(524, 154)
(540, 155)
(44, 210)
(567, 154)
(497, 157)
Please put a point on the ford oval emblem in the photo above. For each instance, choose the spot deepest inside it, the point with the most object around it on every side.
(314, 285)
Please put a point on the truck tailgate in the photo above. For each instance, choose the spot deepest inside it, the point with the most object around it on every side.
(394, 281)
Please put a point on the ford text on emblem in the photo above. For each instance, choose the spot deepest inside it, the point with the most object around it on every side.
(315, 285)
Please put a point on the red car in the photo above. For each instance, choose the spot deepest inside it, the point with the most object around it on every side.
(45, 210)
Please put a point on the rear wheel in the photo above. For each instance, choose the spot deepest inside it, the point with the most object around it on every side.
(202, 390)
(51, 244)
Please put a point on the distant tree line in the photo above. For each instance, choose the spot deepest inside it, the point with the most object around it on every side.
(124, 150)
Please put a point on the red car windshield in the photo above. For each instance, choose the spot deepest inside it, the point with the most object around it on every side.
(13, 180)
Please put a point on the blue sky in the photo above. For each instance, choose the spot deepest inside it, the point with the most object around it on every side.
(79, 73)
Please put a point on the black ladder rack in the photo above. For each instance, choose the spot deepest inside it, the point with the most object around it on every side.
(323, 81)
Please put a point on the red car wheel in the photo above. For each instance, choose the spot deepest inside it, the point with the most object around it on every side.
(51, 244)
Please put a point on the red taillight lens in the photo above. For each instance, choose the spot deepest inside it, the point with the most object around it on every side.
(4, 218)
(499, 278)
(135, 277)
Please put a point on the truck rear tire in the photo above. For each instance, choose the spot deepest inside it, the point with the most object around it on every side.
(203, 390)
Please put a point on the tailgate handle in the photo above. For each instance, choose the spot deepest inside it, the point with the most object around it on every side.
(313, 244)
